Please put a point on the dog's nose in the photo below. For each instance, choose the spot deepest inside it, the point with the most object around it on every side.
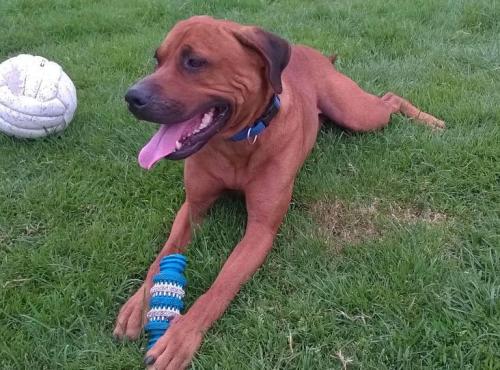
(137, 97)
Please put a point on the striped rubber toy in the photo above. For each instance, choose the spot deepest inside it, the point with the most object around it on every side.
(166, 296)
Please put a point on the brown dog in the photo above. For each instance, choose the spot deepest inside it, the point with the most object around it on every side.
(213, 82)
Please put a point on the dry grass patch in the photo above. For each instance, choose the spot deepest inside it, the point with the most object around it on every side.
(415, 215)
(345, 222)
(352, 223)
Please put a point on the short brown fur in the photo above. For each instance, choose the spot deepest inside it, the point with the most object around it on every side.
(247, 72)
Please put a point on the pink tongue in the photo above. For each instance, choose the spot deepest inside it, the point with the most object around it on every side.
(163, 142)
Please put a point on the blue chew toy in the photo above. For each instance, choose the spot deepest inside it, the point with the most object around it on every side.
(166, 296)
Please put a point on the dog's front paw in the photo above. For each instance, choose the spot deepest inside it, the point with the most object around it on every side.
(175, 349)
(131, 316)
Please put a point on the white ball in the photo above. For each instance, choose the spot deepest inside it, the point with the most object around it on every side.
(36, 97)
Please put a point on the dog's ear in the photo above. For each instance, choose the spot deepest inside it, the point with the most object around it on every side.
(274, 50)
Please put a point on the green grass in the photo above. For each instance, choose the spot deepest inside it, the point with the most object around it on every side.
(80, 221)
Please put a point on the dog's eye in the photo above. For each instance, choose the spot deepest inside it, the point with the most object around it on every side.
(192, 63)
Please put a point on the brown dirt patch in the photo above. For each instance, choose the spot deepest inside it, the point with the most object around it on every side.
(414, 215)
(352, 223)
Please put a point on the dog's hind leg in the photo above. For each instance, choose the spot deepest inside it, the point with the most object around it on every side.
(403, 106)
(345, 103)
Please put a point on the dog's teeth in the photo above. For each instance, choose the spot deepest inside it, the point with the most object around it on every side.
(178, 145)
(207, 119)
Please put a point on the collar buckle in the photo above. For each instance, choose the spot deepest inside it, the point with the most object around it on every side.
(261, 124)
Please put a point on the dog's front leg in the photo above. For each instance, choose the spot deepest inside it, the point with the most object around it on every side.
(266, 209)
(132, 314)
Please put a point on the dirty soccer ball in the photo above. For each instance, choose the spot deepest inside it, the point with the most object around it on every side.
(36, 97)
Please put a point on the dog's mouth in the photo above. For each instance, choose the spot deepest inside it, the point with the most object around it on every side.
(180, 140)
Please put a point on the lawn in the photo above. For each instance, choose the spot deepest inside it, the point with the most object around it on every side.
(389, 257)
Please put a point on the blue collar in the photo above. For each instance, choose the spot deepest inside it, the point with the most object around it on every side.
(261, 124)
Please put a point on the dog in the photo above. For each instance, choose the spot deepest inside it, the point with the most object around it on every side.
(242, 107)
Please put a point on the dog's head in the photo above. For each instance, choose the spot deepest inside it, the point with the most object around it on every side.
(211, 77)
